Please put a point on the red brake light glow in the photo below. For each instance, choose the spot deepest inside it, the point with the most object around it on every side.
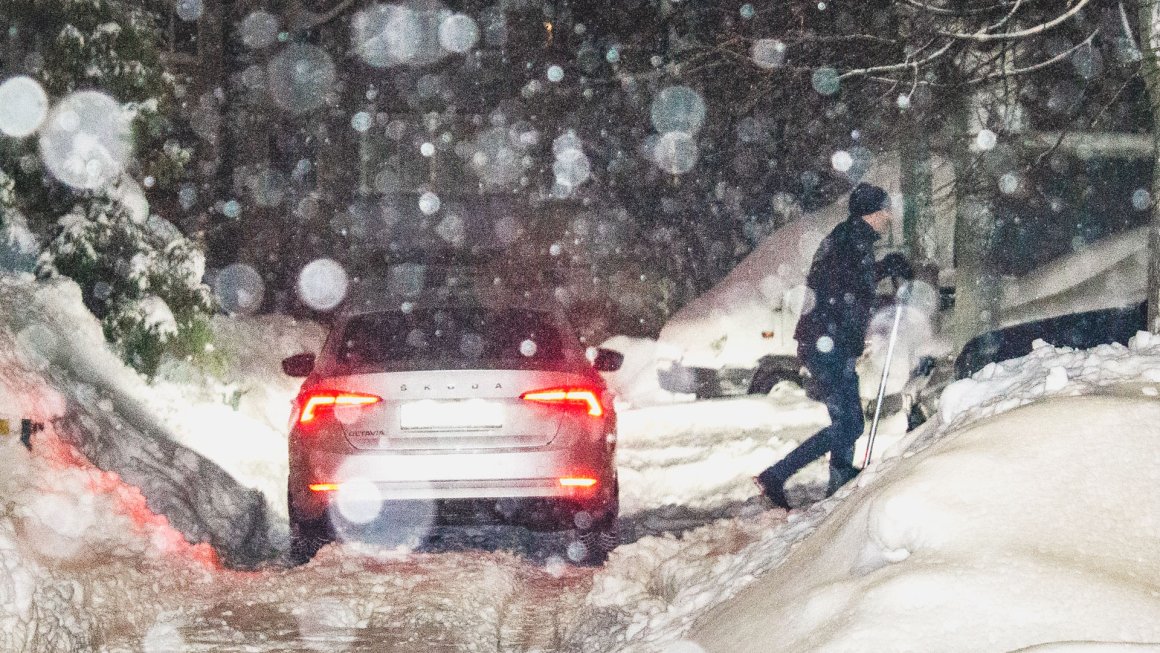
(567, 397)
(577, 481)
(323, 487)
(317, 401)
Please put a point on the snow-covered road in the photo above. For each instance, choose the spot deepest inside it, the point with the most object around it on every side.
(500, 588)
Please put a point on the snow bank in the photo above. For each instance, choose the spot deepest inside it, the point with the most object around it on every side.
(237, 416)
(83, 557)
(1024, 522)
(66, 377)
(893, 532)
(999, 526)
(82, 553)
(1050, 370)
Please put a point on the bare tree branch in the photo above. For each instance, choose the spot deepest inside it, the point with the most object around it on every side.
(1039, 66)
(982, 36)
(939, 11)
(915, 65)
(1127, 26)
(1008, 17)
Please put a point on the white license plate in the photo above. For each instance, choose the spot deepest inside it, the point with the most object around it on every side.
(467, 414)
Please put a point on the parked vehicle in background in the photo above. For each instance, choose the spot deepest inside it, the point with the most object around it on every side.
(450, 410)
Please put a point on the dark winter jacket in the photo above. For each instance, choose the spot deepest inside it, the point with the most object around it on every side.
(842, 278)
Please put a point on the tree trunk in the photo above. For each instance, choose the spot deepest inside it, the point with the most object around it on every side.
(222, 236)
(976, 284)
(917, 192)
(1149, 18)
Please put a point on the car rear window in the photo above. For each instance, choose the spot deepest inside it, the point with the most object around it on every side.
(438, 338)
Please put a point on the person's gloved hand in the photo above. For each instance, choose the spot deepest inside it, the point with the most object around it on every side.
(896, 265)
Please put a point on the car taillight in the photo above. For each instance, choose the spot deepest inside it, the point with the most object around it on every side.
(578, 481)
(318, 401)
(567, 398)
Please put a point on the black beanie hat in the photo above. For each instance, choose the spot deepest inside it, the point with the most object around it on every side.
(866, 199)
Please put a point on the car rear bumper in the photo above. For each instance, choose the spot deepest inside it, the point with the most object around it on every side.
(448, 476)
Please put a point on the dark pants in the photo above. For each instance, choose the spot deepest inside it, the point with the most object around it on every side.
(838, 384)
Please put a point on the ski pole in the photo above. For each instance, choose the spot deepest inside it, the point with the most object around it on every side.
(882, 384)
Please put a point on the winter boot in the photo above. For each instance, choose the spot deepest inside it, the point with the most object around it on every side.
(840, 476)
(772, 487)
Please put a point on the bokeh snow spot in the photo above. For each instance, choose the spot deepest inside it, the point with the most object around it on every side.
(412, 34)
(678, 109)
(37, 346)
(259, 30)
(187, 196)
(23, 106)
(572, 167)
(358, 500)
(986, 140)
(452, 229)
(322, 284)
(429, 203)
(768, 53)
(1141, 199)
(301, 77)
(582, 519)
(458, 33)
(577, 551)
(232, 209)
(841, 161)
(87, 140)
(676, 152)
(471, 345)
(361, 122)
(189, 10)
(825, 81)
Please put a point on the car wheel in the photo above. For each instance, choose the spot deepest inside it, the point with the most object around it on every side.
(599, 540)
(771, 371)
(307, 536)
(597, 537)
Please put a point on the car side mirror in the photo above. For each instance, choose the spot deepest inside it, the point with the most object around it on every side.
(608, 360)
(298, 365)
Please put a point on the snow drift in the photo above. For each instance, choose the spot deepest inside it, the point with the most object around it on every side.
(58, 371)
(994, 538)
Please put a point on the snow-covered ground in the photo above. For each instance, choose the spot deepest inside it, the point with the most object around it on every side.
(994, 527)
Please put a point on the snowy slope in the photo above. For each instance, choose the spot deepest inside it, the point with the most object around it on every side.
(997, 525)
(58, 371)
(1041, 523)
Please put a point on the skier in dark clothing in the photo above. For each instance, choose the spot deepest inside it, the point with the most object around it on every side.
(831, 335)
